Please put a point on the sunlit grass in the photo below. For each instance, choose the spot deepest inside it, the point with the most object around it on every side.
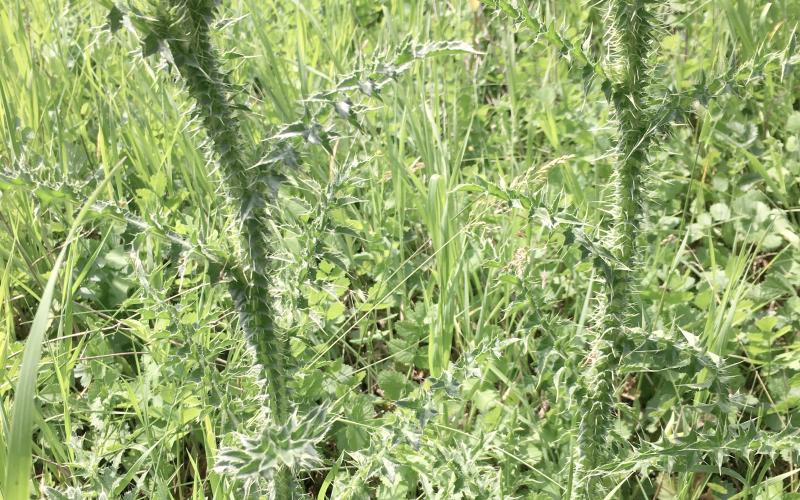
(447, 222)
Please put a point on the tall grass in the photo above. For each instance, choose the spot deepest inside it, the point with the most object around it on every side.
(467, 275)
(18, 455)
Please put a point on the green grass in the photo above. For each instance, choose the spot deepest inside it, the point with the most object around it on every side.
(444, 237)
(17, 459)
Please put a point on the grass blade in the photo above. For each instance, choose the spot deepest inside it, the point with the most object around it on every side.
(19, 442)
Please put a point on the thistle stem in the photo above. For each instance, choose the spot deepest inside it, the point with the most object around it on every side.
(186, 30)
(630, 40)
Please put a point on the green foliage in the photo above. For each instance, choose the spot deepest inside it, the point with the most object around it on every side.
(629, 39)
(18, 456)
(513, 249)
(291, 445)
(184, 28)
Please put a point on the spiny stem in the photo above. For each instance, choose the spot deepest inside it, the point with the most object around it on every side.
(185, 28)
(197, 62)
(630, 28)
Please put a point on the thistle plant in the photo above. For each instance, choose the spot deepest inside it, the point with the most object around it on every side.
(183, 27)
(630, 39)
(643, 110)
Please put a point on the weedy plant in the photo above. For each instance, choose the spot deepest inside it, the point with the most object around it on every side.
(183, 27)
(181, 30)
(626, 75)
(630, 39)
(644, 110)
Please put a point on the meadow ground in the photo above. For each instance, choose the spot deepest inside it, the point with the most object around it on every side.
(399, 249)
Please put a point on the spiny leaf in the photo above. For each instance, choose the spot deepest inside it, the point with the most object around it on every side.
(291, 445)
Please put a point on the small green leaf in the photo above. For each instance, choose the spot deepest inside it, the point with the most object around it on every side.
(150, 45)
(720, 212)
(114, 19)
(335, 311)
(392, 384)
(767, 323)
